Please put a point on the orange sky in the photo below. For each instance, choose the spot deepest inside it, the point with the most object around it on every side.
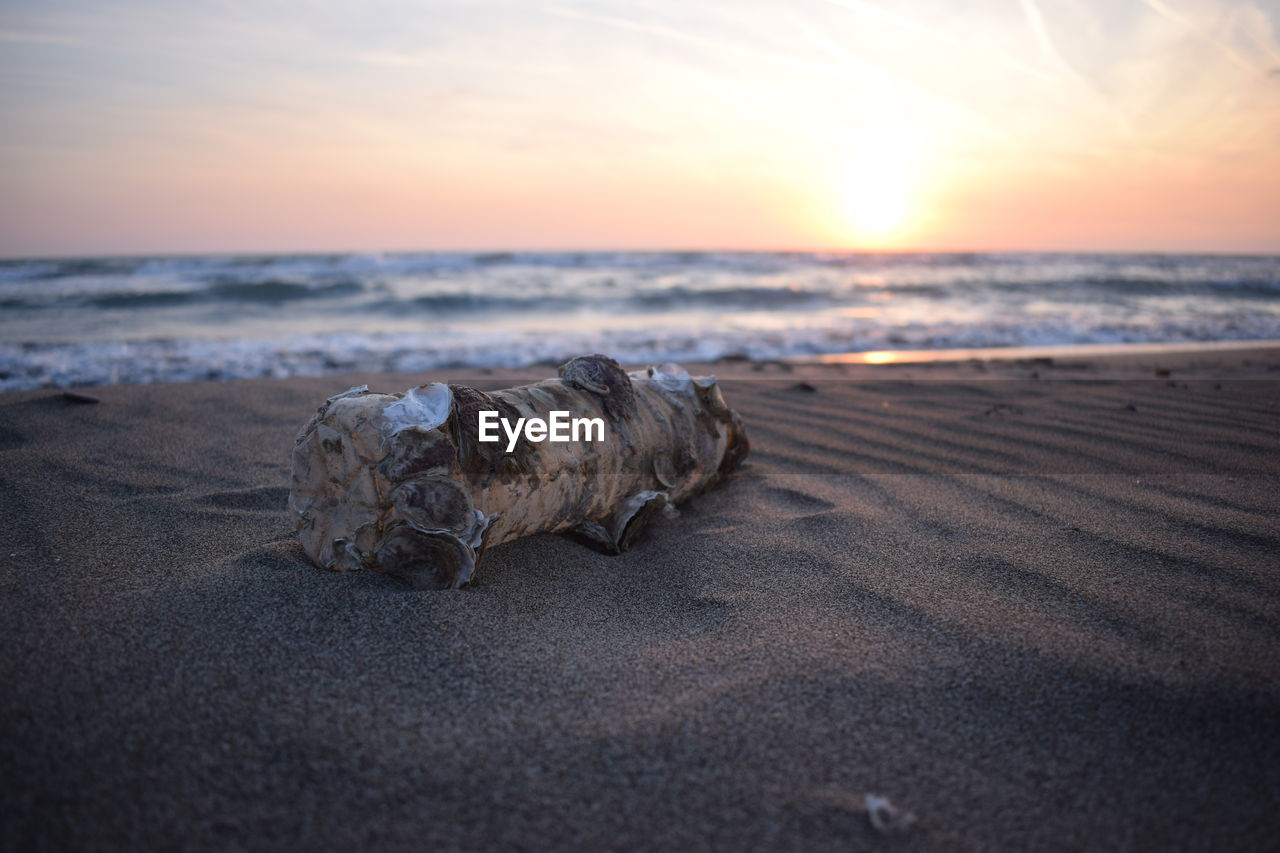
(1020, 124)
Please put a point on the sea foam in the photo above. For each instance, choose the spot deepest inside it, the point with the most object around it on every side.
(90, 321)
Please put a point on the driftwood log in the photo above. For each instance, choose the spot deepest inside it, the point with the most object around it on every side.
(401, 483)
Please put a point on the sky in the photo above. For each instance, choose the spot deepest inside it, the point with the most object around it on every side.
(1024, 125)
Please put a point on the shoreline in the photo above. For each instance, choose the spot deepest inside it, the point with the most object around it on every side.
(1064, 351)
(1205, 359)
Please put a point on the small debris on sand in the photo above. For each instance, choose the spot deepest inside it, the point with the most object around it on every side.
(77, 397)
(885, 817)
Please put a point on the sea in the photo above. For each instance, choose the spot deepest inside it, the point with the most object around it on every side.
(101, 320)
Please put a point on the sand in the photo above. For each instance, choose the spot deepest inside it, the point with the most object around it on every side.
(1036, 604)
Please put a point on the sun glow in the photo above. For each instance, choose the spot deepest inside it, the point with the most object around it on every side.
(878, 193)
(840, 124)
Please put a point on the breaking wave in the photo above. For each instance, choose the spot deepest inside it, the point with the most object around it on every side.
(85, 321)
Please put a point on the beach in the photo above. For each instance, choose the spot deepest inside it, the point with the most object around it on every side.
(1034, 602)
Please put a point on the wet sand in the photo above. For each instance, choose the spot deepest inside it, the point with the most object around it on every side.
(1036, 603)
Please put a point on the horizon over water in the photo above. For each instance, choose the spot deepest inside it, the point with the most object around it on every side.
(98, 320)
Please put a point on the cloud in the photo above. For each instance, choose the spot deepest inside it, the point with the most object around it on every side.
(1185, 21)
(912, 25)
(24, 37)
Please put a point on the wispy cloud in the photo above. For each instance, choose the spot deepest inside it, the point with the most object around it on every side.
(393, 59)
(1036, 21)
(645, 27)
(24, 37)
(940, 36)
(1188, 23)
(978, 118)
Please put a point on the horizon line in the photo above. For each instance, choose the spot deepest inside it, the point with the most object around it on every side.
(480, 252)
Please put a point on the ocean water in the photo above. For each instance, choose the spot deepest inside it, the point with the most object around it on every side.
(89, 321)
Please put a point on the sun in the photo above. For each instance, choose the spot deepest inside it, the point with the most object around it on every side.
(877, 192)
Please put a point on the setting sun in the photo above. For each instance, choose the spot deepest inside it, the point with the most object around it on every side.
(877, 192)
